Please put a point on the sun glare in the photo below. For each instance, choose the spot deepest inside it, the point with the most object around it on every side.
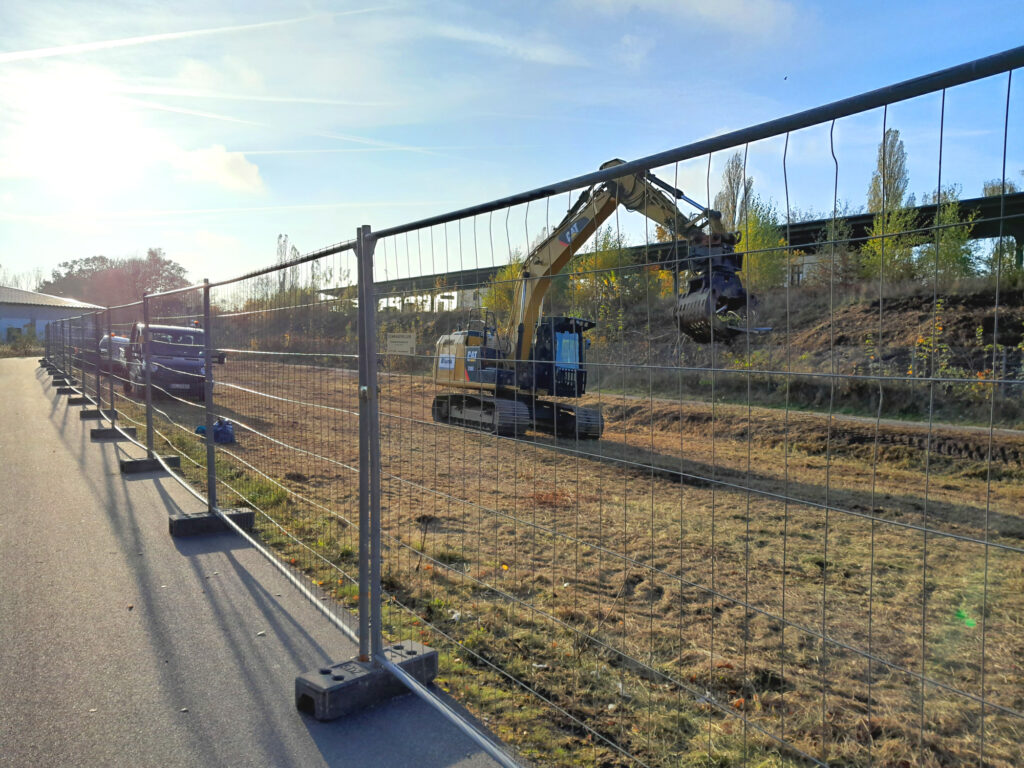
(75, 136)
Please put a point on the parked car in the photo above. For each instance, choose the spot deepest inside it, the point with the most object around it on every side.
(176, 364)
(115, 362)
(90, 353)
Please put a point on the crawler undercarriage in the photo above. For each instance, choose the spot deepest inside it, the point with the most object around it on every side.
(515, 415)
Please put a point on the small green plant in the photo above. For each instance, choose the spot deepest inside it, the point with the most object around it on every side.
(932, 351)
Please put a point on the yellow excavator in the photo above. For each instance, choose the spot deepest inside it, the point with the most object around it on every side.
(500, 381)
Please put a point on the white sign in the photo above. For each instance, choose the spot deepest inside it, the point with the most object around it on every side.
(401, 344)
(446, 362)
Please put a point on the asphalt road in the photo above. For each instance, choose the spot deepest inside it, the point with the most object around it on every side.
(120, 646)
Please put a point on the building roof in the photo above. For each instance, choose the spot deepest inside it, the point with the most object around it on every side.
(19, 296)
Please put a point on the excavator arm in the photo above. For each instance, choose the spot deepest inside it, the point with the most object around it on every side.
(714, 288)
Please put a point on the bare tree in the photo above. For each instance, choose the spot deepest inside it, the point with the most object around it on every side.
(735, 194)
(27, 280)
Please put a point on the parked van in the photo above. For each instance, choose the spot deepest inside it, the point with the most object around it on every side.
(176, 362)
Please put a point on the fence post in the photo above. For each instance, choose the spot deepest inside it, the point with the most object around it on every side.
(211, 453)
(145, 366)
(97, 335)
(370, 625)
(112, 416)
(80, 345)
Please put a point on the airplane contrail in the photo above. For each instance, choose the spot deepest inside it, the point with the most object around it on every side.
(194, 112)
(143, 213)
(145, 90)
(333, 151)
(124, 42)
(384, 145)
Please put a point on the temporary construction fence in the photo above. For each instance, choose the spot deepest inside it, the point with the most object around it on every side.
(798, 538)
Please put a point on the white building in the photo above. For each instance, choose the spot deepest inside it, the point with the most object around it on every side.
(27, 312)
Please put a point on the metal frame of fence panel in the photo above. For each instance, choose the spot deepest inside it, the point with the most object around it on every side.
(148, 374)
(208, 349)
(65, 346)
(97, 335)
(73, 347)
(370, 632)
(108, 330)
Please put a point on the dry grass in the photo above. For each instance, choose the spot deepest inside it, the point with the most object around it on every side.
(706, 585)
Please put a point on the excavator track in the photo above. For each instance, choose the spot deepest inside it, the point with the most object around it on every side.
(506, 416)
(570, 421)
(487, 414)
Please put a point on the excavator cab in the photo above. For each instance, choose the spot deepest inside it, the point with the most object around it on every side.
(557, 357)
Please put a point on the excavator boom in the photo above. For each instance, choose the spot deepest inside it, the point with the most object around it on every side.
(713, 305)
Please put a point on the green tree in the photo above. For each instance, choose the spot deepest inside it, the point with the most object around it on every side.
(948, 252)
(767, 258)
(500, 293)
(1006, 256)
(994, 188)
(105, 281)
(837, 262)
(889, 251)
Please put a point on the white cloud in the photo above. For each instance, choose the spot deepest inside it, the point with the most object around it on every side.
(757, 18)
(215, 165)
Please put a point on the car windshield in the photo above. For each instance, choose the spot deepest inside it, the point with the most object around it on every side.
(177, 343)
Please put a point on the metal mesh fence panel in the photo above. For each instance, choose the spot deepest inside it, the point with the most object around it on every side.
(801, 542)
(120, 397)
(164, 374)
(285, 372)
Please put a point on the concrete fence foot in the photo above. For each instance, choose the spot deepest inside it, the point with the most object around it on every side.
(136, 466)
(109, 433)
(350, 686)
(181, 524)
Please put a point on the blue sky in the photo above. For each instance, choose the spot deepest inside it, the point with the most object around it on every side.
(208, 128)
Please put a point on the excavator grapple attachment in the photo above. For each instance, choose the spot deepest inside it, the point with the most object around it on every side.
(715, 306)
(695, 313)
